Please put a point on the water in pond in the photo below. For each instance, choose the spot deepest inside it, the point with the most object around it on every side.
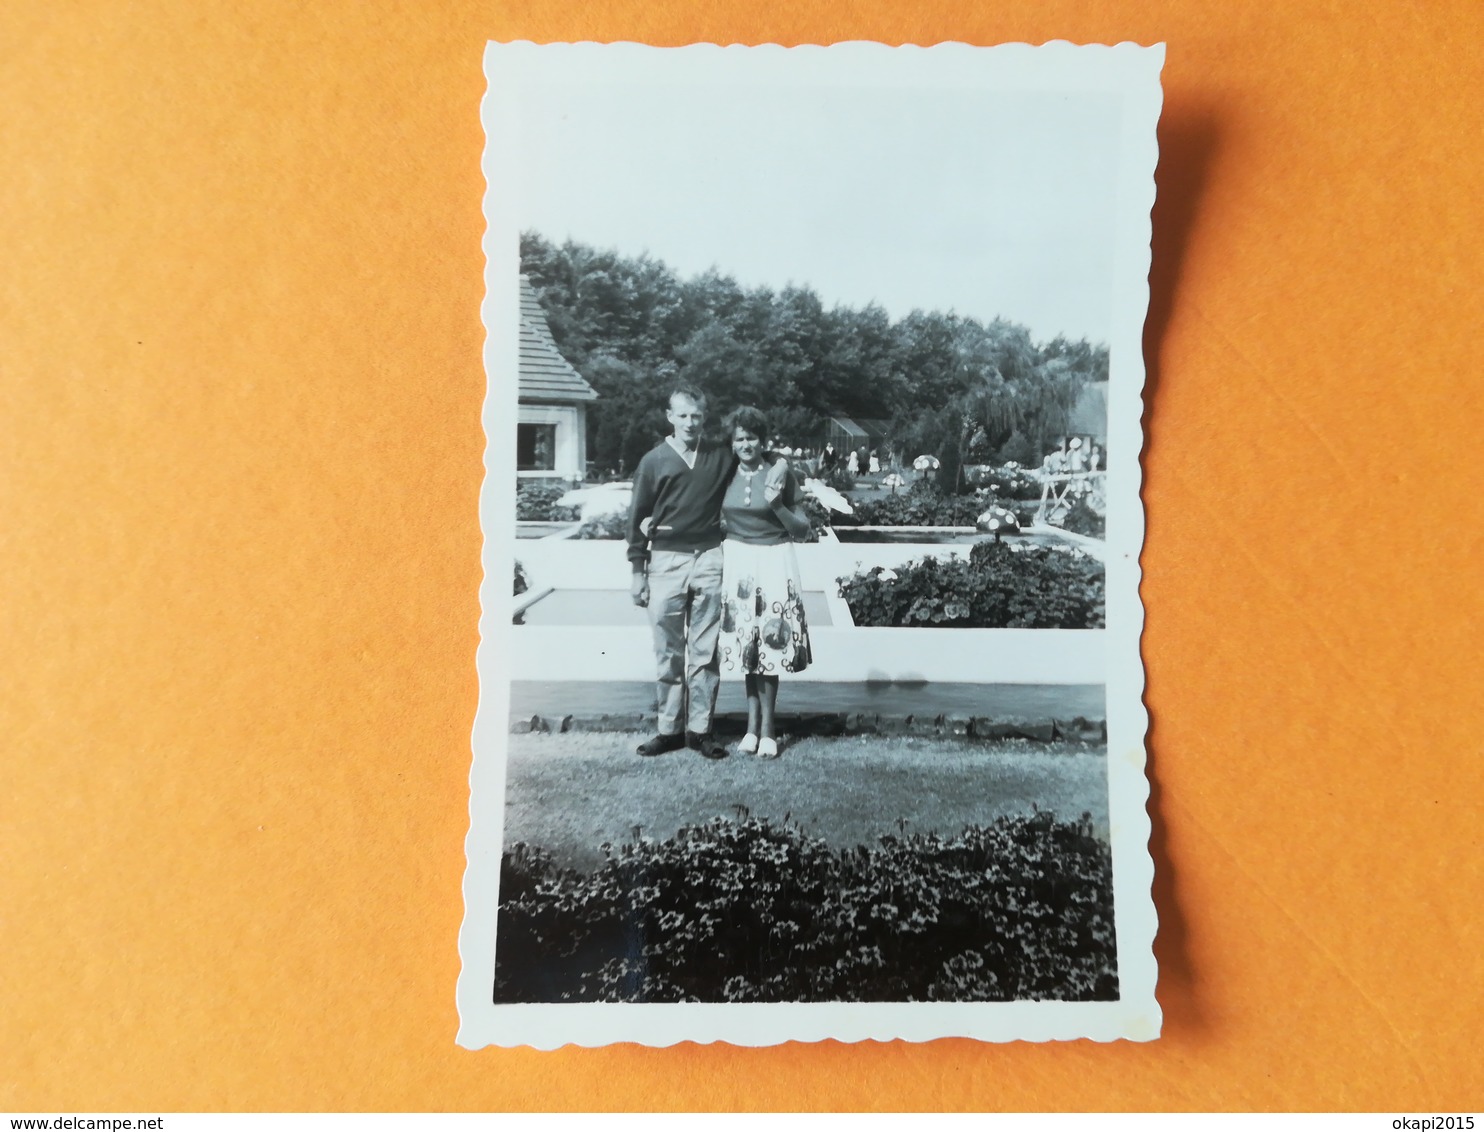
(533, 529)
(942, 538)
(1000, 701)
(615, 607)
(928, 538)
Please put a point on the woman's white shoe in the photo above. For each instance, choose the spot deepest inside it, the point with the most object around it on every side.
(767, 749)
(748, 746)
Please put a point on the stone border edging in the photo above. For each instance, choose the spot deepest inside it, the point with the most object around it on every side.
(839, 724)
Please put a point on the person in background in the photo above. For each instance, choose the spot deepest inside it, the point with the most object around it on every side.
(875, 464)
(764, 632)
(854, 463)
(1077, 464)
(675, 553)
(1076, 456)
(1055, 462)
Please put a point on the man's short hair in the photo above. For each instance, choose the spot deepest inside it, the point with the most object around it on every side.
(690, 392)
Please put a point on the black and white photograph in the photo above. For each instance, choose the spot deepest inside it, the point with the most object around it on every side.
(813, 706)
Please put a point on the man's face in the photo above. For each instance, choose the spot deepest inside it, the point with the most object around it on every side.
(686, 418)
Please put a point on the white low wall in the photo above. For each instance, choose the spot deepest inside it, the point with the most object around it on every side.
(575, 564)
(600, 564)
(841, 559)
(841, 654)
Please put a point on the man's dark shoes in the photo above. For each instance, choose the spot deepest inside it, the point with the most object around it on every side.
(706, 744)
(661, 744)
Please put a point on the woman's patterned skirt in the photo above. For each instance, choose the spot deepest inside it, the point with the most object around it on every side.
(763, 630)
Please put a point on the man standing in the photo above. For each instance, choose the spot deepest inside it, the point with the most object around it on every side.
(675, 552)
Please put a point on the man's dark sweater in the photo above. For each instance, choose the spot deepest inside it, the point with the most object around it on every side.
(685, 502)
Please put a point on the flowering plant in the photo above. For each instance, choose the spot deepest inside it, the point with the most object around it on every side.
(611, 525)
(757, 911)
(920, 507)
(536, 501)
(1008, 481)
(1000, 586)
(1083, 520)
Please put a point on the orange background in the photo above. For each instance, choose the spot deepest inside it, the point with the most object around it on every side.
(241, 381)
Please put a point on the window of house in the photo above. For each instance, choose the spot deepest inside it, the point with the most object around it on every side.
(535, 447)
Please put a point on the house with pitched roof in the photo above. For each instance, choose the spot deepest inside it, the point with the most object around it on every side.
(551, 432)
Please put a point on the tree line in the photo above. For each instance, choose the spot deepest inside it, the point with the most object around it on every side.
(946, 384)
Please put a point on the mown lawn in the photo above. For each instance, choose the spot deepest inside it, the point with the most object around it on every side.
(571, 793)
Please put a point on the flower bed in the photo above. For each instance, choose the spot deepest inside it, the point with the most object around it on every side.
(1000, 586)
(536, 501)
(613, 525)
(1083, 520)
(817, 513)
(919, 507)
(1009, 481)
(925, 506)
(838, 477)
(751, 911)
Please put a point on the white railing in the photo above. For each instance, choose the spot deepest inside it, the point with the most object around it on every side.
(1059, 490)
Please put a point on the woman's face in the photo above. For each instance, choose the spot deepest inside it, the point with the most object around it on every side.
(747, 445)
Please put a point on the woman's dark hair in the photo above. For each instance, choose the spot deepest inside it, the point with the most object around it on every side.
(747, 419)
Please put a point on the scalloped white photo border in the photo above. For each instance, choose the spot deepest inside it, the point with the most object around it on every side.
(1127, 72)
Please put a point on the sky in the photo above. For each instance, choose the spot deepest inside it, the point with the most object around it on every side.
(988, 204)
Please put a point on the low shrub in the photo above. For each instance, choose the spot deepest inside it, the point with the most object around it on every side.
(1008, 481)
(817, 513)
(921, 506)
(615, 524)
(753, 911)
(536, 501)
(1002, 585)
(838, 477)
(1083, 520)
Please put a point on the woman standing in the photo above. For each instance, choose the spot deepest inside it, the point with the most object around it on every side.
(763, 629)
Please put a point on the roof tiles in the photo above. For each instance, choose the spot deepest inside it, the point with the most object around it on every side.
(544, 374)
